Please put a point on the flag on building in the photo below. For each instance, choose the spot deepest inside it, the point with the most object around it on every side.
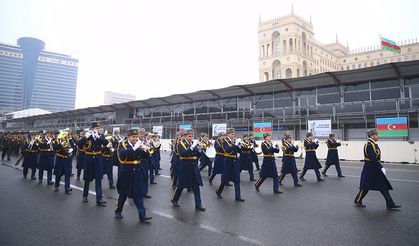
(392, 127)
(390, 45)
(262, 127)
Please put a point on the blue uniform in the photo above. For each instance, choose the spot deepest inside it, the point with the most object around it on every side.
(189, 175)
(204, 160)
(332, 156)
(174, 167)
(372, 177)
(93, 166)
(108, 159)
(311, 161)
(268, 169)
(45, 159)
(245, 160)
(156, 159)
(254, 155)
(231, 168)
(288, 161)
(131, 179)
(63, 164)
(80, 157)
(218, 160)
(30, 157)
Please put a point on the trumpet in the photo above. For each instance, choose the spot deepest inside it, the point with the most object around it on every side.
(245, 144)
(147, 149)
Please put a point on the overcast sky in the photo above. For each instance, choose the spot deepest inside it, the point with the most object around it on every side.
(157, 48)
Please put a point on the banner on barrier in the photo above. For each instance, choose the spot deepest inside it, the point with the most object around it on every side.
(320, 128)
(217, 128)
(158, 129)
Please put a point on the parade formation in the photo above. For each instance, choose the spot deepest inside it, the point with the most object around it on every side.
(137, 158)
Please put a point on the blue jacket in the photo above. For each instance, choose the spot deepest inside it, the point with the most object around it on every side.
(189, 175)
(268, 169)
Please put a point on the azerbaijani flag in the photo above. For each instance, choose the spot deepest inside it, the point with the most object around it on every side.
(183, 128)
(390, 45)
(392, 127)
(262, 127)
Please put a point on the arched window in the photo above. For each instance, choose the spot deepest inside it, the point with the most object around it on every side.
(304, 39)
(263, 51)
(266, 76)
(288, 73)
(298, 72)
(276, 69)
(276, 43)
(291, 44)
(305, 68)
(268, 47)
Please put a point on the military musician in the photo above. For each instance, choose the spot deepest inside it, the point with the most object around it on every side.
(332, 155)
(288, 160)
(311, 161)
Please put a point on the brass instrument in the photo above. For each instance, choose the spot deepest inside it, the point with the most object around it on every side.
(64, 139)
(244, 144)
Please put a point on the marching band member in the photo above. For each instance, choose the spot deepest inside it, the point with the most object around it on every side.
(231, 168)
(373, 176)
(268, 165)
(288, 160)
(93, 166)
(108, 159)
(253, 153)
(146, 166)
(189, 175)
(219, 157)
(245, 158)
(6, 146)
(63, 162)
(332, 155)
(174, 167)
(155, 142)
(30, 155)
(131, 179)
(81, 153)
(117, 139)
(204, 160)
(46, 157)
(311, 161)
(149, 142)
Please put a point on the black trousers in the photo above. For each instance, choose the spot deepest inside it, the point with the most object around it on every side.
(338, 170)
(4, 152)
(386, 194)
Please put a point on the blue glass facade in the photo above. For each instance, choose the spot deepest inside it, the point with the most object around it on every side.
(33, 78)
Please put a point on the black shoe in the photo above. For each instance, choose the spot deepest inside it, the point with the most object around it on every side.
(341, 176)
(55, 189)
(175, 204)
(359, 205)
(240, 199)
(158, 174)
(320, 180)
(324, 174)
(50, 183)
(280, 183)
(85, 199)
(298, 170)
(394, 207)
(101, 204)
(257, 169)
(72, 175)
(118, 215)
(147, 196)
(257, 188)
(218, 195)
(153, 183)
(40, 181)
(25, 177)
(112, 187)
(228, 184)
(302, 179)
(298, 185)
(33, 178)
(210, 182)
(68, 191)
(278, 192)
(78, 178)
(145, 219)
(189, 190)
(252, 179)
(200, 208)
(160, 168)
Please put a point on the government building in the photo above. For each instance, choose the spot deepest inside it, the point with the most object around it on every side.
(288, 49)
(31, 77)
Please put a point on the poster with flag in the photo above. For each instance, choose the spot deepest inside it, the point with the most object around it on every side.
(183, 128)
(390, 45)
(262, 127)
(392, 127)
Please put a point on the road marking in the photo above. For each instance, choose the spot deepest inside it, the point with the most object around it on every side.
(400, 180)
(169, 216)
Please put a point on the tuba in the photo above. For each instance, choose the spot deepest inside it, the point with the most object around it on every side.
(64, 139)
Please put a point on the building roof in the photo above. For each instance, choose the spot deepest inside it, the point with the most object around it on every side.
(409, 69)
(28, 113)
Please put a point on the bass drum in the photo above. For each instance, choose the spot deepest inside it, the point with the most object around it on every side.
(210, 152)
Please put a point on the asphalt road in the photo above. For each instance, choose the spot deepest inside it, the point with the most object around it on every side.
(316, 214)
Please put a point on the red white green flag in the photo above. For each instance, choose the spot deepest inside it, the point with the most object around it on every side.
(392, 127)
(390, 45)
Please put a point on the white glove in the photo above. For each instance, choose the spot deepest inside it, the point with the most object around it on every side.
(32, 142)
(70, 150)
(89, 133)
(383, 170)
(49, 142)
(109, 145)
(316, 140)
(338, 141)
(137, 145)
(237, 141)
(112, 149)
(194, 144)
